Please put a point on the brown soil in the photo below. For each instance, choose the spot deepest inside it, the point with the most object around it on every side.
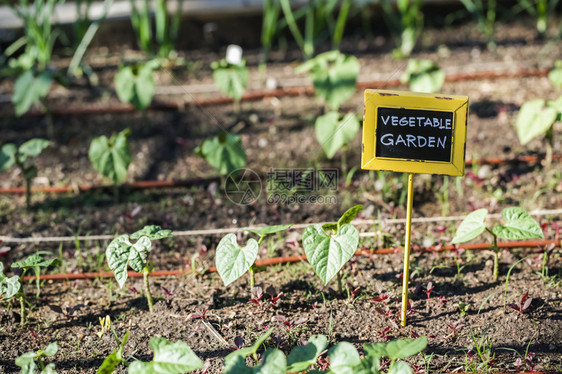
(278, 133)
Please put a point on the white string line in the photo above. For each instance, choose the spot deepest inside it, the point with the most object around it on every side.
(209, 232)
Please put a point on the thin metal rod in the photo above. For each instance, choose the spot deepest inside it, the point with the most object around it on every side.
(406, 274)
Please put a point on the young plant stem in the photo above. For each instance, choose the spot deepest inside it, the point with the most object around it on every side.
(37, 281)
(252, 272)
(22, 310)
(253, 269)
(496, 250)
(340, 286)
(147, 293)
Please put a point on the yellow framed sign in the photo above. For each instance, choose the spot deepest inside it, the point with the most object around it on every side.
(414, 132)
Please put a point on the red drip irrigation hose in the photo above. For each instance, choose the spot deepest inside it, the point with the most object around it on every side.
(291, 259)
(281, 92)
(204, 181)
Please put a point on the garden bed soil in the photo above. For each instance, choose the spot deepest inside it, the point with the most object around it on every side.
(278, 133)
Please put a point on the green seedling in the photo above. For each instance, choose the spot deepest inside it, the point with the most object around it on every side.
(334, 76)
(519, 226)
(115, 358)
(329, 253)
(27, 361)
(134, 84)
(423, 76)
(122, 253)
(111, 157)
(271, 10)
(32, 66)
(484, 12)
(34, 262)
(161, 41)
(22, 157)
(169, 357)
(224, 152)
(463, 308)
(231, 74)
(541, 10)
(318, 18)
(29, 89)
(555, 75)
(537, 118)
(233, 261)
(405, 23)
(344, 358)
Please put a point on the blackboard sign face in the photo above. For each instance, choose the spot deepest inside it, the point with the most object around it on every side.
(414, 132)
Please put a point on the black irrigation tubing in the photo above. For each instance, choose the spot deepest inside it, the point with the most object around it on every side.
(292, 259)
(281, 92)
(142, 185)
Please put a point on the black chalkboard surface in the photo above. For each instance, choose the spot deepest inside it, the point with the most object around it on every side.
(414, 134)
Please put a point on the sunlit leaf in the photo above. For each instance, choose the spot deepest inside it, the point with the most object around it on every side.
(233, 260)
(472, 226)
(302, 357)
(169, 358)
(344, 358)
(333, 133)
(519, 225)
(534, 119)
(328, 253)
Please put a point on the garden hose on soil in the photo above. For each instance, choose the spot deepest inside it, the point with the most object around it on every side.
(142, 185)
(291, 259)
(281, 92)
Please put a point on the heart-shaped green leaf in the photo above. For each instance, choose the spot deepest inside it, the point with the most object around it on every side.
(273, 362)
(7, 156)
(519, 225)
(472, 226)
(334, 76)
(403, 348)
(33, 147)
(152, 232)
(400, 367)
(111, 157)
(135, 84)
(423, 76)
(169, 358)
(328, 253)
(344, 358)
(231, 79)
(235, 363)
(332, 134)
(224, 152)
(232, 260)
(121, 253)
(29, 89)
(302, 357)
(534, 119)
(9, 287)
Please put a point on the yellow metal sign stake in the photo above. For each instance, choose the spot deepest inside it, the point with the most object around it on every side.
(406, 274)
